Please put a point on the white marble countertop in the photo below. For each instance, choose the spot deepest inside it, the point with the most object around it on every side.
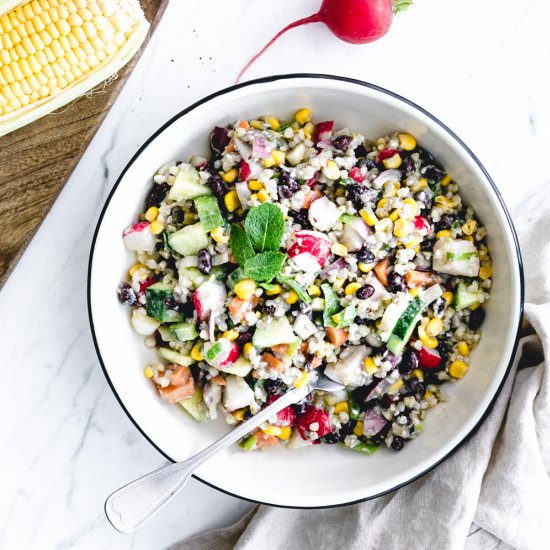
(482, 67)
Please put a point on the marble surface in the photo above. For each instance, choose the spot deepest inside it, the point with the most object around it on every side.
(482, 67)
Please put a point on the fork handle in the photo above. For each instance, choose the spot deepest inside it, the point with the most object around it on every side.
(130, 506)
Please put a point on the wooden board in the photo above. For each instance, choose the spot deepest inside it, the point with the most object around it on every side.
(37, 160)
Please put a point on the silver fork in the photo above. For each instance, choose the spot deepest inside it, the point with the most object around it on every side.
(130, 506)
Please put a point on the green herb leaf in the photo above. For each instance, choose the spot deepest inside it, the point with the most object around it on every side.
(332, 305)
(401, 5)
(209, 212)
(240, 244)
(346, 218)
(264, 266)
(460, 257)
(264, 226)
(268, 286)
(298, 288)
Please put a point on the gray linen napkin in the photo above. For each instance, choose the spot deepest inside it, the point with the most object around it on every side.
(493, 493)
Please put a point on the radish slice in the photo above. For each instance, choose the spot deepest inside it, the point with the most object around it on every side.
(428, 358)
(310, 245)
(209, 297)
(323, 214)
(323, 131)
(138, 238)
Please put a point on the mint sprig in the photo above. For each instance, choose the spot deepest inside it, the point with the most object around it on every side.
(264, 266)
(265, 225)
(240, 244)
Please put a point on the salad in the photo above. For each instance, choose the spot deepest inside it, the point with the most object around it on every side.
(295, 247)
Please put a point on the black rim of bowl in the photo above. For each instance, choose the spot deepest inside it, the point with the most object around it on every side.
(274, 78)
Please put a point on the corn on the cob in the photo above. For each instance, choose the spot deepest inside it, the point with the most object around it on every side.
(53, 51)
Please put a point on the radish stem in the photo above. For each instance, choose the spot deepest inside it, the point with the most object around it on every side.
(315, 18)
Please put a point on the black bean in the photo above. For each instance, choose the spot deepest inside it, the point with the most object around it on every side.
(285, 192)
(425, 156)
(300, 408)
(360, 151)
(408, 165)
(205, 261)
(219, 139)
(427, 245)
(243, 338)
(368, 163)
(365, 255)
(286, 179)
(398, 443)
(126, 295)
(331, 438)
(445, 222)
(476, 318)
(381, 435)
(247, 414)
(424, 197)
(396, 283)
(347, 429)
(354, 193)
(387, 400)
(341, 142)
(216, 184)
(156, 195)
(301, 218)
(409, 361)
(365, 292)
(270, 310)
(273, 387)
(417, 387)
(361, 321)
(432, 173)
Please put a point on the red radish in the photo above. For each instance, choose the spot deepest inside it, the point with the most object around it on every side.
(244, 170)
(323, 130)
(353, 21)
(386, 154)
(428, 358)
(138, 238)
(323, 214)
(422, 225)
(285, 417)
(210, 296)
(356, 175)
(145, 284)
(310, 247)
(221, 353)
(313, 421)
(311, 181)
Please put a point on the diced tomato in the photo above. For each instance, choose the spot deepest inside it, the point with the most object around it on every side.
(286, 416)
(386, 154)
(313, 421)
(323, 131)
(381, 270)
(428, 358)
(244, 170)
(356, 175)
(337, 336)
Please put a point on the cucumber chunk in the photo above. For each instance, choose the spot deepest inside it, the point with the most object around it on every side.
(464, 297)
(276, 331)
(156, 295)
(241, 367)
(189, 240)
(332, 305)
(175, 357)
(187, 184)
(184, 331)
(195, 406)
(209, 212)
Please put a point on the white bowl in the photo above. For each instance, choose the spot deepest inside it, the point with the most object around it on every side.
(321, 475)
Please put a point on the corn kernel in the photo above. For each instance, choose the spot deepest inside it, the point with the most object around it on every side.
(255, 185)
(458, 369)
(230, 335)
(418, 374)
(443, 201)
(339, 249)
(413, 292)
(444, 234)
(292, 297)
(268, 162)
(303, 116)
(427, 395)
(368, 216)
(148, 372)
(272, 430)
(343, 406)
(331, 170)
(370, 366)
(463, 349)
(469, 238)
(393, 162)
(338, 283)
(365, 268)
(358, 430)
(151, 214)
(422, 184)
(302, 381)
(309, 128)
(426, 339)
(448, 296)
(274, 123)
(406, 142)
(434, 326)
(381, 203)
(446, 180)
(239, 414)
(278, 156)
(314, 291)
(245, 289)
(219, 236)
(156, 228)
(336, 318)
(352, 288)
(263, 195)
(394, 215)
(402, 228)
(414, 244)
(473, 307)
(196, 351)
(134, 268)
(230, 176)
(231, 201)
(469, 227)
(188, 218)
(276, 289)
(485, 271)
(286, 432)
(247, 349)
(396, 386)
(257, 124)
